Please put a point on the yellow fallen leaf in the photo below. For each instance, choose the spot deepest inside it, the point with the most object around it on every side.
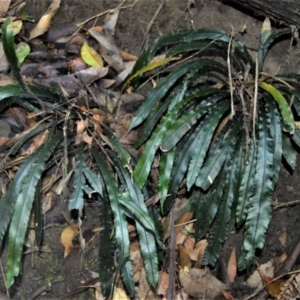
(44, 23)
(67, 237)
(90, 56)
(119, 294)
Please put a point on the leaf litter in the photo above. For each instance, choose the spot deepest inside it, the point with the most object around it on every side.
(109, 68)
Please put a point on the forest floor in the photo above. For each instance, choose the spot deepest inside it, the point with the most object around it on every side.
(283, 233)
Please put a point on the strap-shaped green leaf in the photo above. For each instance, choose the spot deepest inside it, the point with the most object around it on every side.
(289, 92)
(106, 260)
(246, 185)
(288, 151)
(164, 87)
(164, 171)
(23, 205)
(147, 239)
(221, 226)
(206, 205)
(93, 180)
(209, 125)
(285, 110)
(143, 166)
(184, 152)
(128, 277)
(215, 160)
(38, 223)
(259, 210)
(76, 200)
(276, 133)
(120, 223)
(266, 44)
(185, 123)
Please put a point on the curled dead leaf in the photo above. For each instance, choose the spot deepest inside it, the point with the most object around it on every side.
(45, 21)
(67, 237)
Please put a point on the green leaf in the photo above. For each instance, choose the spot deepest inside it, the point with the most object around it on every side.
(215, 160)
(259, 211)
(209, 125)
(221, 227)
(288, 151)
(22, 50)
(128, 277)
(206, 205)
(93, 180)
(120, 223)
(184, 152)
(284, 107)
(143, 166)
(146, 238)
(105, 250)
(164, 87)
(76, 200)
(267, 40)
(246, 185)
(185, 123)
(10, 53)
(276, 133)
(38, 222)
(164, 171)
(23, 205)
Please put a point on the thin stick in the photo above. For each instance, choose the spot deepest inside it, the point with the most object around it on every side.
(151, 24)
(230, 76)
(255, 98)
(109, 11)
(4, 279)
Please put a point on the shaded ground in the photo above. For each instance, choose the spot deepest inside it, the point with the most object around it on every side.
(40, 269)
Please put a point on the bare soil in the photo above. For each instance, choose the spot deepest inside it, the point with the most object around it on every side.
(39, 269)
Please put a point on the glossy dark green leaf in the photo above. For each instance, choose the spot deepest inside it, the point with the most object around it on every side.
(284, 107)
(106, 248)
(120, 223)
(288, 151)
(209, 126)
(164, 171)
(215, 160)
(246, 185)
(185, 123)
(23, 206)
(259, 211)
(38, 222)
(221, 227)
(76, 199)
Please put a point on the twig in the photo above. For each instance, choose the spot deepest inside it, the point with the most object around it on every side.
(229, 75)
(4, 279)
(109, 11)
(45, 288)
(276, 205)
(255, 98)
(151, 24)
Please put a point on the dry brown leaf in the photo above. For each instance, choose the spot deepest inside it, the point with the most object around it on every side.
(227, 296)
(108, 50)
(274, 288)
(181, 222)
(282, 237)
(127, 56)
(81, 125)
(198, 252)
(87, 139)
(163, 283)
(37, 141)
(189, 244)
(184, 258)
(199, 283)
(44, 23)
(67, 237)
(232, 266)
(48, 202)
(184, 233)
(3, 140)
(4, 5)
